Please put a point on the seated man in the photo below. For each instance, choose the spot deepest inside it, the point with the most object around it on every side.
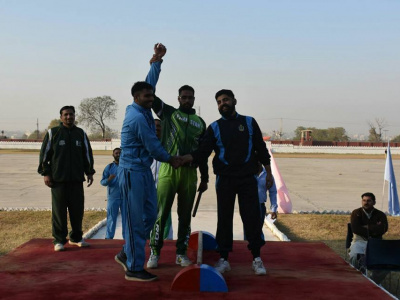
(366, 222)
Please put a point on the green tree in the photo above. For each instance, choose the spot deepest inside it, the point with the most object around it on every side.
(297, 132)
(396, 139)
(335, 134)
(109, 134)
(94, 112)
(374, 136)
(34, 135)
(54, 123)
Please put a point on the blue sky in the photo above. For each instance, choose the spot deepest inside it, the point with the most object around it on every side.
(312, 63)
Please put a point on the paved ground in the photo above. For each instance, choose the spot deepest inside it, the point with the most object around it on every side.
(313, 183)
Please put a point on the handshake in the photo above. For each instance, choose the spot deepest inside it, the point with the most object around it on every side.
(179, 161)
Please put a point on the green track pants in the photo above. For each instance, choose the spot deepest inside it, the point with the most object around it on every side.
(183, 182)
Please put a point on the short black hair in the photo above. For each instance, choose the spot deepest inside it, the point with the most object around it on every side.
(67, 107)
(224, 92)
(140, 86)
(186, 88)
(372, 196)
(116, 149)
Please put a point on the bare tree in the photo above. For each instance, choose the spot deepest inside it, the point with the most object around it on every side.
(375, 129)
(94, 112)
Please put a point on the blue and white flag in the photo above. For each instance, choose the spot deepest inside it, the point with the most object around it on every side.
(393, 198)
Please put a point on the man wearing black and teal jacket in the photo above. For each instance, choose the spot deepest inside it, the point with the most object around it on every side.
(182, 130)
(65, 157)
(238, 145)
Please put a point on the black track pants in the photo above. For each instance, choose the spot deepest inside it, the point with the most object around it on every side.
(67, 196)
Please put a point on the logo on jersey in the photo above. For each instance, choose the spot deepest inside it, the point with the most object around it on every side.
(61, 143)
(241, 127)
(194, 123)
(78, 144)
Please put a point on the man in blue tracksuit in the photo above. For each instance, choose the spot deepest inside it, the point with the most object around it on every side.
(114, 199)
(139, 145)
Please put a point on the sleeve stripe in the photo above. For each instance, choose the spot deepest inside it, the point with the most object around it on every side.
(48, 145)
(87, 148)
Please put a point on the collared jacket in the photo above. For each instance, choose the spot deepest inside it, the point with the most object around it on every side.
(238, 145)
(182, 129)
(66, 155)
(139, 143)
(113, 191)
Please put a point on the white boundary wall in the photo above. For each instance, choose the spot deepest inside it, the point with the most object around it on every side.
(276, 148)
(96, 145)
(289, 148)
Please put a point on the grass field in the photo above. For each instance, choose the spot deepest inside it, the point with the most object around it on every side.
(330, 229)
(18, 227)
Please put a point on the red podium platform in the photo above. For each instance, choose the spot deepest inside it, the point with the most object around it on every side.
(294, 271)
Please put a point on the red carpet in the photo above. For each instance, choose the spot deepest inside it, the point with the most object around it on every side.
(295, 271)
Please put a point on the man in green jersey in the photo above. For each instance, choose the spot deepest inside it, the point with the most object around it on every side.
(182, 130)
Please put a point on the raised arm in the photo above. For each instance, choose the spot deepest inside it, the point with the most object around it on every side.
(159, 107)
(155, 64)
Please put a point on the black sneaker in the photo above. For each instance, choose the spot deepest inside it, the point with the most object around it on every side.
(121, 259)
(140, 276)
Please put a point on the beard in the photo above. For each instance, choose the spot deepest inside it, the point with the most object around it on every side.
(226, 113)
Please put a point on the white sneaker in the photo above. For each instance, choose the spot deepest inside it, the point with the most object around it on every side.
(258, 266)
(152, 263)
(183, 260)
(81, 243)
(59, 247)
(222, 265)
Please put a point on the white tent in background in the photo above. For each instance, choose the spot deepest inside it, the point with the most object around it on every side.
(283, 199)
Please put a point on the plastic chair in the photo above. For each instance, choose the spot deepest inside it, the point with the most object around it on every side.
(349, 238)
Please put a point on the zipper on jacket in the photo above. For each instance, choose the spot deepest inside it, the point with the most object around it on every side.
(186, 129)
(70, 154)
